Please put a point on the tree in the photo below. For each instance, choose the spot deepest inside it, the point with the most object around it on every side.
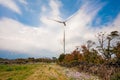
(31, 59)
(95, 57)
(77, 55)
(90, 55)
(61, 57)
(105, 43)
(116, 50)
(68, 58)
(101, 40)
(110, 37)
(90, 44)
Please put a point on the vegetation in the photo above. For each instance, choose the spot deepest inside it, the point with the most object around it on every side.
(28, 60)
(116, 76)
(101, 58)
(16, 71)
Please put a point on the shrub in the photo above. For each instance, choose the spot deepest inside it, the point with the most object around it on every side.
(20, 68)
(9, 79)
(115, 76)
(9, 69)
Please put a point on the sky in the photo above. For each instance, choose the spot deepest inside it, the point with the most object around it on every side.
(26, 28)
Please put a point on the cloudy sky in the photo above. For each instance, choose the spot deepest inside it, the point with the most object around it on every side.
(27, 31)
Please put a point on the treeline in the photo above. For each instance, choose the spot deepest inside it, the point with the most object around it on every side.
(101, 58)
(27, 60)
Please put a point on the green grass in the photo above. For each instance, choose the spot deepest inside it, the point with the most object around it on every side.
(16, 72)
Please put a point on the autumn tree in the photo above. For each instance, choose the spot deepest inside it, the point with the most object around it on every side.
(68, 58)
(90, 54)
(95, 57)
(77, 55)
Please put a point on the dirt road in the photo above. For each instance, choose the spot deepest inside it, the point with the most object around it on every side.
(55, 72)
(48, 72)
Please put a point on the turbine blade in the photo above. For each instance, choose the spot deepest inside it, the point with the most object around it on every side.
(58, 21)
(70, 17)
(55, 20)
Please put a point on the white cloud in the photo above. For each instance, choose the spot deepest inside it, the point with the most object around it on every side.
(55, 8)
(11, 5)
(23, 2)
(15, 36)
(44, 9)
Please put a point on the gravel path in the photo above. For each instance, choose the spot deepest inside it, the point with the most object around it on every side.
(75, 75)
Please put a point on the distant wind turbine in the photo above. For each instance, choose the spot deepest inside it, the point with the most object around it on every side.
(64, 23)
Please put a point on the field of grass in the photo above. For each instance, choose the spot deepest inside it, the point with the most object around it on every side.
(16, 72)
(42, 71)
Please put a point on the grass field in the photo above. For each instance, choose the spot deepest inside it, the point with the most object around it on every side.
(42, 71)
(16, 72)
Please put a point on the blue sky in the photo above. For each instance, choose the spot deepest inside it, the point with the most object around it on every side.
(26, 31)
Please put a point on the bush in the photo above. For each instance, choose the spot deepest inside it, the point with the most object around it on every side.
(9, 69)
(9, 79)
(115, 76)
(20, 68)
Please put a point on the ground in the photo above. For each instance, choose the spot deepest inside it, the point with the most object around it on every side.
(42, 71)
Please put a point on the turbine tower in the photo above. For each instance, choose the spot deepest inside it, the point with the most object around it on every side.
(64, 23)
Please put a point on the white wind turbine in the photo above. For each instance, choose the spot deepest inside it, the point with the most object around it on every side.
(64, 23)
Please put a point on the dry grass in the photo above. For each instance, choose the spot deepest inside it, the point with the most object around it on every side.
(48, 72)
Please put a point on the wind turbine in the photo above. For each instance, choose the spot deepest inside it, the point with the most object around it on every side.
(64, 23)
